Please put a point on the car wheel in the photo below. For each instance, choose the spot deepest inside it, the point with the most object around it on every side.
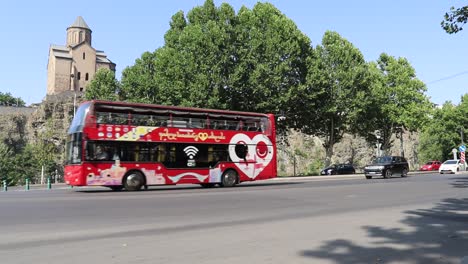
(404, 173)
(134, 181)
(368, 177)
(388, 174)
(229, 178)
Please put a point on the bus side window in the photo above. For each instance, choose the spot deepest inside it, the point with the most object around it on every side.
(119, 119)
(254, 127)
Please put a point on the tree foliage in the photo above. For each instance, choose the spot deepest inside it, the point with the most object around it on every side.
(397, 101)
(8, 100)
(455, 19)
(104, 86)
(443, 132)
(214, 58)
(16, 167)
(5, 162)
(336, 87)
(139, 82)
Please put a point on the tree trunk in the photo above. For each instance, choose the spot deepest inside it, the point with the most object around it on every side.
(329, 145)
(402, 150)
(329, 154)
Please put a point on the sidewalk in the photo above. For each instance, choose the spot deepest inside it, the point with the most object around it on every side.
(341, 176)
(34, 187)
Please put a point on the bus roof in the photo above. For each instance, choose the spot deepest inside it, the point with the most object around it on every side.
(144, 108)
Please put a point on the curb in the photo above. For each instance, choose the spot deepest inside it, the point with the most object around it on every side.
(342, 176)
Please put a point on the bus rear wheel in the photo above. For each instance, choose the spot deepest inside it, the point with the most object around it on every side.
(134, 181)
(229, 178)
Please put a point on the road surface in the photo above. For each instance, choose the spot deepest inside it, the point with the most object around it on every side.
(419, 219)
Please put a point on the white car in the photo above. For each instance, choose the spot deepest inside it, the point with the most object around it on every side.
(451, 166)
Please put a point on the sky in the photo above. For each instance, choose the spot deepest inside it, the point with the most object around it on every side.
(125, 29)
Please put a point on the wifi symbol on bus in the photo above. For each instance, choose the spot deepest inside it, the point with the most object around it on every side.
(191, 151)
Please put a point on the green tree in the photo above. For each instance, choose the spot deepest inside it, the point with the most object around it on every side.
(217, 59)
(397, 101)
(14, 166)
(187, 70)
(337, 84)
(443, 132)
(27, 165)
(6, 159)
(271, 61)
(46, 151)
(8, 100)
(455, 19)
(139, 82)
(104, 86)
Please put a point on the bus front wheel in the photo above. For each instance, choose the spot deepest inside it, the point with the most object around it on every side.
(134, 181)
(229, 178)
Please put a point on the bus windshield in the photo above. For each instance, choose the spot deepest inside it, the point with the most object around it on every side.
(73, 149)
(79, 119)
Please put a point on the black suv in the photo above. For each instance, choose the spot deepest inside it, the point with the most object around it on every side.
(338, 169)
(386, 166)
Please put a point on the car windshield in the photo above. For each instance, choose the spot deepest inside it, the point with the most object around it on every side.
(451, 162)
(383, 160)
(429, 163)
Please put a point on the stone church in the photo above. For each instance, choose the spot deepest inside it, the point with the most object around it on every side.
(72, 67)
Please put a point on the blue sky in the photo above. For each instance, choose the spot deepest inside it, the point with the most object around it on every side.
(126, 29)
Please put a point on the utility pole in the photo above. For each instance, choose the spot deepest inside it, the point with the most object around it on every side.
(461, 135)
(462, 149)
(74, 105)
(378, 144)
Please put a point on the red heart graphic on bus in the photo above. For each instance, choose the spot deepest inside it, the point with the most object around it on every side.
(257, 157)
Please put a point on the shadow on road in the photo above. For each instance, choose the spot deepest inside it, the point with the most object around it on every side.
(437, 235)
(460, 182)
(192, 187)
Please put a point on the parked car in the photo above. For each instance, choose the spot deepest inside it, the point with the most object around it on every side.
(338, 169)
(431, 166)
(451, 166)
(386, 166)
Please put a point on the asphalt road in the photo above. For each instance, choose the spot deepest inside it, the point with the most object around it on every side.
(419, 219)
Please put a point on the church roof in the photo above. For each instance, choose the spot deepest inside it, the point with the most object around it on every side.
(64, 52)
(79, 23)
(102, 57)
(61, 51)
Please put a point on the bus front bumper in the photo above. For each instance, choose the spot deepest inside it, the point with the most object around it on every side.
(74, 175)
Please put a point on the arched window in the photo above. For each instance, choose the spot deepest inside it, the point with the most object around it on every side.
(86, 76)
(84, 55)
(80, 37)
(79, 75)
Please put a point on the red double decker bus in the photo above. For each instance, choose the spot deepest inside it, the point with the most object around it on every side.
(129, 145)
